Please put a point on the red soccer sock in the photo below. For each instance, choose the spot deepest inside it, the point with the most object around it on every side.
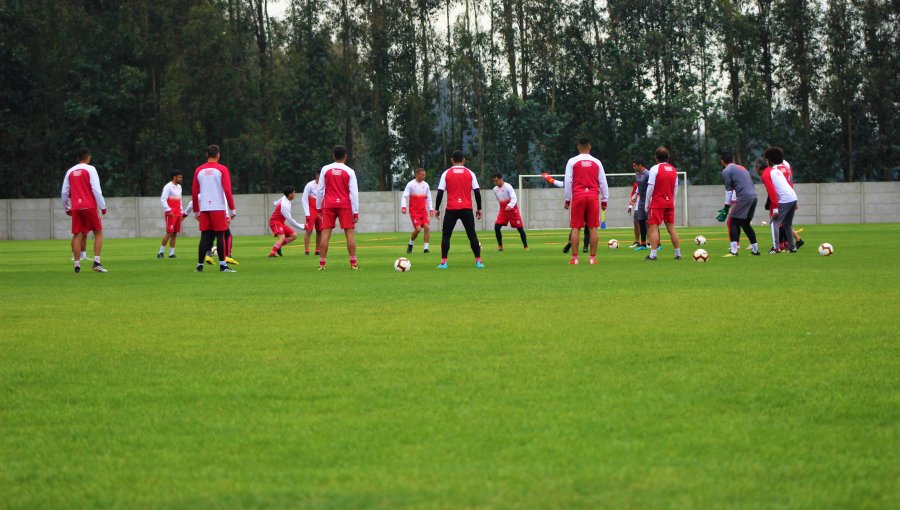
(352, 260)
(322, 262)
(477, 259)
(443, 261)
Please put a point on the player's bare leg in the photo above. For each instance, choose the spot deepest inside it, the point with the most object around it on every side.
(574, 237)
(350, 233)
(279, 242)
(594, 240)
(653, 235)
(77, 242)
(318, 235)
(427, 237)
(412, 238)
(323, 247)
(98, 247)
(675, 242)
(306, 235)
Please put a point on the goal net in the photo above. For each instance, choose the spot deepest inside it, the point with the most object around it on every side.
(542, 203)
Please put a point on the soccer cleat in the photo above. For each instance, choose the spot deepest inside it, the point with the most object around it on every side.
(479, 265)
(755, 253)
(77, 269)
(209, 260)
(442, 266)
(321, 268)
(226, 269)
(159, 255)
(800, 243)
(573, 262)
(567, 247)
(525, 248)
(273, 253)
(500, 248)
(634, 245)
(792, 250)
(172, 256)
(199, 268)
(774, 251)
(584, 249)
(317, 252)
(652, 259)
(593, 261)
(306, 253)
(677, 257)
(660, 247)
(731, 254)
(99, 269)
(354, 267)
(279, 253)
(409, 248)
(231, 261)
(425, 250)
(642, 247)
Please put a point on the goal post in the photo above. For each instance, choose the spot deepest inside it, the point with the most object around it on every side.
(615, 181)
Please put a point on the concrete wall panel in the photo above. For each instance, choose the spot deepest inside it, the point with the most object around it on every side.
(4, 220)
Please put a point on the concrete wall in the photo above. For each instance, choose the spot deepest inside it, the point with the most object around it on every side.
(44, 218)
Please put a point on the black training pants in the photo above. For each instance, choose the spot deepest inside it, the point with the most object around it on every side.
(451, 216)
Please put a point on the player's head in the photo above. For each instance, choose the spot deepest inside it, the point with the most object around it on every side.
(760, 165)
(661, 154)
(638, 164)
(774, 155)
(318, 172)
(339, 154)
(420, 174)
(458, 157)
(497, 179)
(584, 145)
(177, 176)
(83, 155)
(289, 192)
(726, 158)
(213, 153)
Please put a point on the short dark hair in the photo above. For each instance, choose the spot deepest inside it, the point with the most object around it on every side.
(288, 190)
(760, 163)
(584, 142)
(175, 173)
(458, 156)
(774, 154)
(318, 171)
(339, 152)
(418, 170)
(639, 162)
(83, 153)
(497, 176)
(726, 156)
(662, 154)
(213, 151)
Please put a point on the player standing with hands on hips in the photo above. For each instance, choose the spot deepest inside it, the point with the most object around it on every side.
(213, 181)
(587, 193)
(338, 199)
(459, 183)
(81, 196)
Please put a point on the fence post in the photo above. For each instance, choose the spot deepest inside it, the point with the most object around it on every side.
(818, 205)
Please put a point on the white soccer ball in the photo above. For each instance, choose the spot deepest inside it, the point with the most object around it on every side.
(402, 265)
(700, 240)
(826, 249)
(214, 251)
(700, 255)
(612, 244)
(763, 223)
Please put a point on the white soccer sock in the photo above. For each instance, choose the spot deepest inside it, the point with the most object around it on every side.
(426, 246)
(162, 248)
(97, 259)
(410, 242)
(84, 254)
(222, 263)
(754, 247)
(652, 254)
(677, 252)
(171, 251)
(734, 247)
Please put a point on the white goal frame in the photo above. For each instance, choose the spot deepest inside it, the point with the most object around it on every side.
(682, 175)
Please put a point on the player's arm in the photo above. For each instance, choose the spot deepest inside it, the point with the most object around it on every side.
(442, 186)
(195, 192)
(428, 204)
(567, 180)
(164, 200)
(95, 188)
(513, 199)
(354, 196)
(286, 212)
(188, 208)
(226, 187)
(604, 186)
(770, 190)
(305, 200)
(651, 184)
(320, 190)
(477, 190)
(64, 193)
(404, 198)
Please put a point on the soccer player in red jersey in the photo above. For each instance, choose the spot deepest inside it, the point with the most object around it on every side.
(416, 200)
(312, 219)
(213, 181)
(509, 211)
(587, 194)
(459, 183)
(277, 222)
(81, 196)
(171, 203)
(662, 190)
(338, 199)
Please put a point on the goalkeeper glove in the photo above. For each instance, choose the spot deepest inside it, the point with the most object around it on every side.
(723, 213)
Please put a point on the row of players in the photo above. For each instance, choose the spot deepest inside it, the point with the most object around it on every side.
(333, 197)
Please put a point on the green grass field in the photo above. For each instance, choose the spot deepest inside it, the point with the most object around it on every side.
(755, 382)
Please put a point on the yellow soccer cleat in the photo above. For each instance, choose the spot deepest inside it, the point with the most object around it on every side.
(232, 261)
(209, 260)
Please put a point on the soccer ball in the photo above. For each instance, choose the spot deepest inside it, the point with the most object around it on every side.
(826, 249)
(700, 240)
(612, 244)
(214, 251)
(700, 255)
(402, 265)
(763, 223)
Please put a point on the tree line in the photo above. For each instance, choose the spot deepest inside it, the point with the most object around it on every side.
(148, 85)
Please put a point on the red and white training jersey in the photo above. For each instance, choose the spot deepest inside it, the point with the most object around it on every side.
(81, 188)
(458, 182)
(585, 176)
(662, 187)
(214, 182)
(506, 195)
(788, 172)
(337, 188)
(171, 197)
(308, 200)
(282, 213)
(777, 186)
(417, 196)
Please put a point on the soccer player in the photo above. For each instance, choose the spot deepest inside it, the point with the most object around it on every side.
(782, 197)
(338, 199)
(81, 196)
(284, 234)
(417, 198)
(587, 194)
(459, 183)
(171, 203)
(662, 190)
(312, 219)
(740, 202)
(587, 233)
(228, 237)
(509, 211)
(213, 181)
(789, 174)
(636, 204)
